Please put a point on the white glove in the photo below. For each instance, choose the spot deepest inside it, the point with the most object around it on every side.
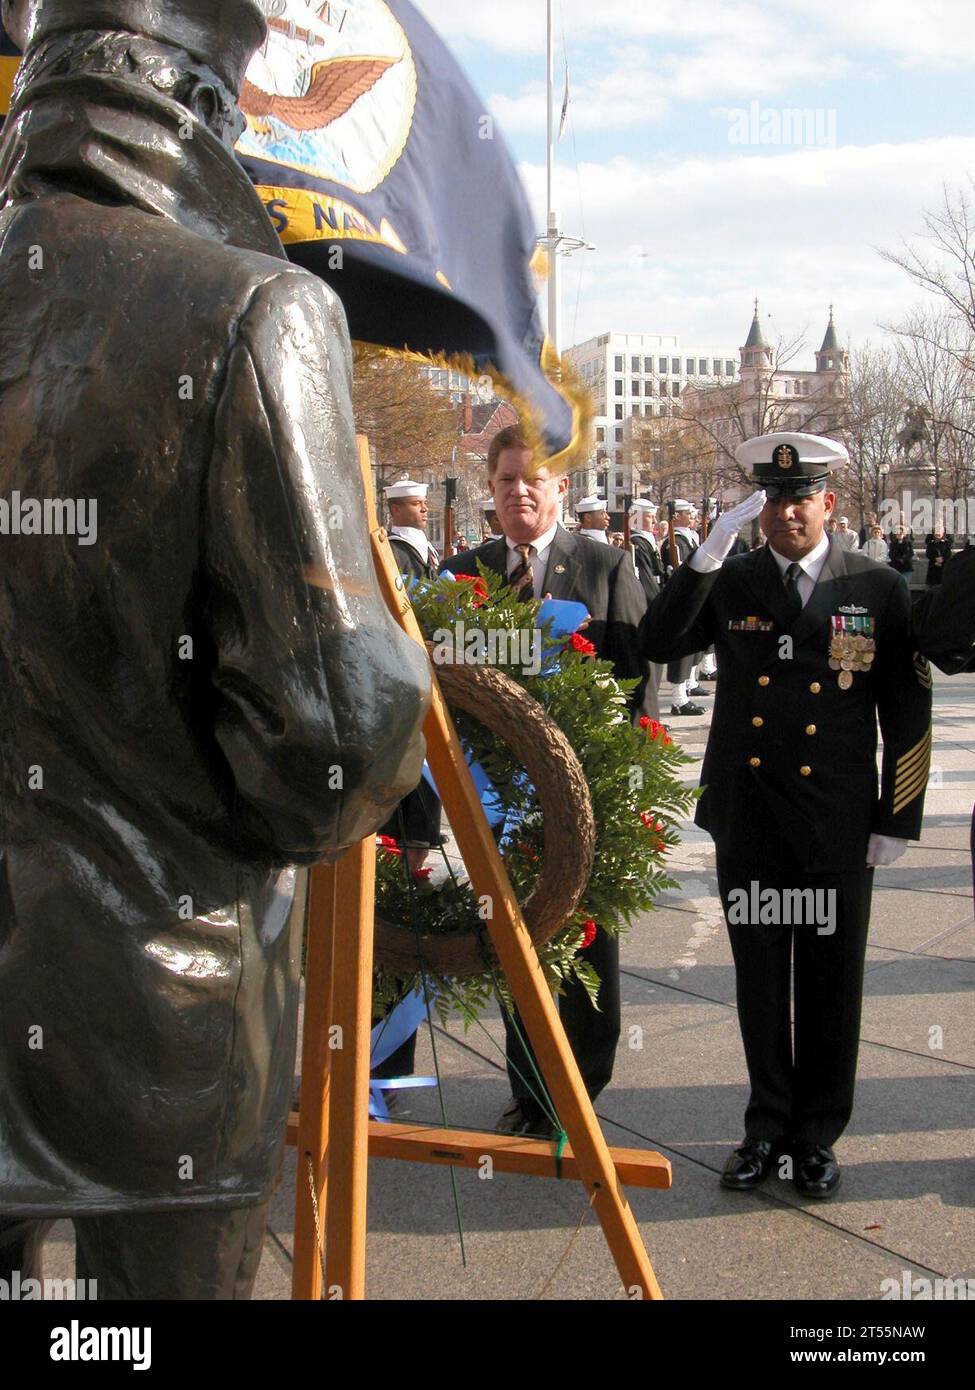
(883, 850)
(722, 535)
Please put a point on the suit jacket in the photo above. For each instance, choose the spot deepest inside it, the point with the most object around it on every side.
(790, 768)
(601, 577)
(214, 691)
(944, 617)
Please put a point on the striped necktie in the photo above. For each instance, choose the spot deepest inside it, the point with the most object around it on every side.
(521, 578)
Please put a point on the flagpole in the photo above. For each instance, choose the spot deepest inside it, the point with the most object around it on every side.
(552, 221)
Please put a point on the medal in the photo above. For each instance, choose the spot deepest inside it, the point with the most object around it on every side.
(850, 648)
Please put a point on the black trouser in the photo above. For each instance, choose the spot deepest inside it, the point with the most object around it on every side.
(801, 1089)
(593, 1034)
(196, 1254)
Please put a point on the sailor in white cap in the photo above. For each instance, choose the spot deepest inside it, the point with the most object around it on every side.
(407, 502)
(593, 519)
(649, 566)
(815, 648)
(683, 674)
(491, 522)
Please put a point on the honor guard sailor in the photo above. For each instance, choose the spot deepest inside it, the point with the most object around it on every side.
(593, 519)
(814, 647)
(407, 502)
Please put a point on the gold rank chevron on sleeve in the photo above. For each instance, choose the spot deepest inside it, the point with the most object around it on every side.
(904, 710)
(912, 769)
(923, 670)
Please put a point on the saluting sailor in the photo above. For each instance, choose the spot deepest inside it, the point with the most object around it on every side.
(408, 511)
(814, 646)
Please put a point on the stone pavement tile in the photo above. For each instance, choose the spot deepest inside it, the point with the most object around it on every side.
(706, 1243)
(947, 830)
(911, 920)
(668, 943)
(921, 1004)
(928, 870)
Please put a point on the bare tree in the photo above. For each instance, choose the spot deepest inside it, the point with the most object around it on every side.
(934, 351)
(946, 266)
(871, 424)
(409, 426)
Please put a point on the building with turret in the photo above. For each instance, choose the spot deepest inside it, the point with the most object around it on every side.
(771, 393)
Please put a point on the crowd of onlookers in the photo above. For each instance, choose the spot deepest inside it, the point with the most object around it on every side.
(899, 548)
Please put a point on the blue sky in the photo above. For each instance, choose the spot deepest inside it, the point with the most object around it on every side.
(689, 223)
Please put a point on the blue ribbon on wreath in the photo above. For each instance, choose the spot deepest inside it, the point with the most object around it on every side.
(398, 1025)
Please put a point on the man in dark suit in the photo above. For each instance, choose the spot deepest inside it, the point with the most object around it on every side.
(541, 559)
(814, 646)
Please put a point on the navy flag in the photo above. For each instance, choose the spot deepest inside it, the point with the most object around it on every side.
(384, 174)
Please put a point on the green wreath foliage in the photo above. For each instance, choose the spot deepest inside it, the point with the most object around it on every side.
(631, 772)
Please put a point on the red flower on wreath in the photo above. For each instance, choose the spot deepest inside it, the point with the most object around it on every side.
(421, 875)
(387, 843)
(651, 822)
(588, 934)
(581, 644)
(478, 587)
(654, 729)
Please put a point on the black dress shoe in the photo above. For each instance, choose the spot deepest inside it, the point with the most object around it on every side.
(699, 690)
(526, 1117)
(688, 708)
(748, 1165)
(816, 1172)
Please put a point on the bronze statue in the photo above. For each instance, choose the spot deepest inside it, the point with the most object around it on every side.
(199, 692)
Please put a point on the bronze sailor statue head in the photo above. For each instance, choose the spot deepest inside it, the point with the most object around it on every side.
(223, 34)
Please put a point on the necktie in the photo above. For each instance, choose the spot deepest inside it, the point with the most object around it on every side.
(521, 578)
(793, 601)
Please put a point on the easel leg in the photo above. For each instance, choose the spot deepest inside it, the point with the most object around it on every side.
(348, 1158)
(313, 1131)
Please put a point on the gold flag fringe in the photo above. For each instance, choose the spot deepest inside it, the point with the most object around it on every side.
(560, 373)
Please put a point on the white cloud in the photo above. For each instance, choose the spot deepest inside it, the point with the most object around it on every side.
(682, 247)
(930, 33)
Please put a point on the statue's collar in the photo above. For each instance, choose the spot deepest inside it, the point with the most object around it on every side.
(121, 141)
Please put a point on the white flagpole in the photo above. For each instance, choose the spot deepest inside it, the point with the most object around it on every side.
(552, 219)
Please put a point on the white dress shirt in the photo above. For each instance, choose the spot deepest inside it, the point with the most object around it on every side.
(538, 560)
(811, 566)
(600, 537)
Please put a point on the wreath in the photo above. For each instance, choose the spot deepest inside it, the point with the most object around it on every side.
(568, 702)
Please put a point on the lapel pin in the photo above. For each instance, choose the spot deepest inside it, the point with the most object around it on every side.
(560, 569)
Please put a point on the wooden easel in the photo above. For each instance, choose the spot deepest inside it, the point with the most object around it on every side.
(333, 1133)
